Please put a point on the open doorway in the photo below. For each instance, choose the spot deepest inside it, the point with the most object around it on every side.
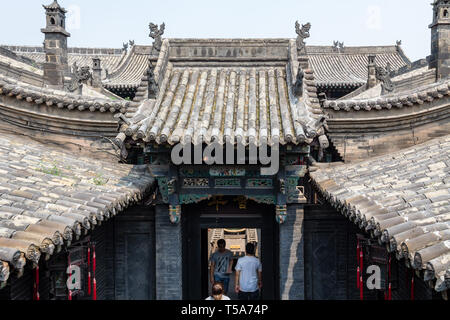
(236, 240)
(201, 223)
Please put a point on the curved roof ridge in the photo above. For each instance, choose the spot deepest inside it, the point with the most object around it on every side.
(122, 64)
(427, 93)
(58, 98)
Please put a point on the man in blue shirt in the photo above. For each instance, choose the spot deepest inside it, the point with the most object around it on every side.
(248, 275)
(221, 264)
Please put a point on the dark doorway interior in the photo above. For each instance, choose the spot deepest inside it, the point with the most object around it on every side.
(197, 219)
(236, 241)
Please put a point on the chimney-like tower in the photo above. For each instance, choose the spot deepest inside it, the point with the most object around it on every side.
(372, 72)
(55, 46)
(440, 39)
(96, 73)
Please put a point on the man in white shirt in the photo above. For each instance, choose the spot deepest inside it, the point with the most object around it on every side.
(248, 275)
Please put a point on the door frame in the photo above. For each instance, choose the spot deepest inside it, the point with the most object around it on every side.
(198, 217)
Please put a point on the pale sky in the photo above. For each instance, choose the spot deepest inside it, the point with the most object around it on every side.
(109, 23)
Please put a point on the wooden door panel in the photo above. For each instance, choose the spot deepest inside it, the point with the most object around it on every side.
(330, 244)
(134, 269)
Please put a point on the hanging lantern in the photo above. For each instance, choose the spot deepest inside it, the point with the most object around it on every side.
(94, 297)
(361, 262)
(361, 289)
(358, 272)
(36, 284)
(89, 270)
(358, 248)
(357, 277)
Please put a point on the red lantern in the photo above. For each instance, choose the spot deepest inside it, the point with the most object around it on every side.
(94, 297)
(361, 289)
(89, 270)
(357, 277)
(357, 251)
(361, 263)
(358, 262)
(36, 284)
(89, 258)
(89, 283)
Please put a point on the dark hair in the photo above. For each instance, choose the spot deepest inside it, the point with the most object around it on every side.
(250, 248)
(217, 289)
(221, 242)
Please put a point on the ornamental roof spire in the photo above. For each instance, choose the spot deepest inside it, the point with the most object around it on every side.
(54, 6)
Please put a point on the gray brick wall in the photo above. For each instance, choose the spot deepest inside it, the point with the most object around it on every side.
(292, 269)
(168, 256)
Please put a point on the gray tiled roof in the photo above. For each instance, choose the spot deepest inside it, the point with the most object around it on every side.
(110, 58)
(130, 72)
(348, 66)
(249, 104)
(49, 197)
(415, 96)
(58, 98)
(403, 199)
(333, 67)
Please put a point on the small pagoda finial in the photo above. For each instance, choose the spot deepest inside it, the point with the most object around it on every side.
(303, 33)
(54, 6)
(338, 45)
(156, 33)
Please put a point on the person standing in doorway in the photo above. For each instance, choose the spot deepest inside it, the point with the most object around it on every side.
(248, 275)
(221, 264)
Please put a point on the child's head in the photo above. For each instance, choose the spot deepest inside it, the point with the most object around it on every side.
(217, 291)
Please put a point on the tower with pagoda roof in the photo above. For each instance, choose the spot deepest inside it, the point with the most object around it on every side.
(55, 45)
(440, 39)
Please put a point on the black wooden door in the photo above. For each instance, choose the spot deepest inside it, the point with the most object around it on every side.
(134, 257)
(330, 255)
(198, 218)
